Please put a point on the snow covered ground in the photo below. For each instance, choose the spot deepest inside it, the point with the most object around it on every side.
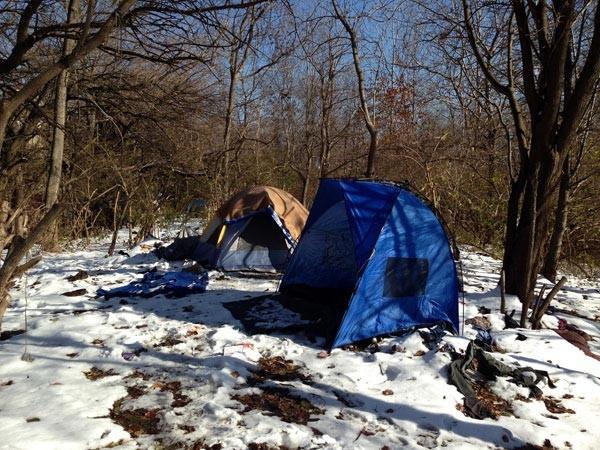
(182, 373)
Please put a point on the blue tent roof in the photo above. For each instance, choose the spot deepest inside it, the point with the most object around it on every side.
(386, 245)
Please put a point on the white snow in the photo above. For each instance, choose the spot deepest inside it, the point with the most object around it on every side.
(369, 400)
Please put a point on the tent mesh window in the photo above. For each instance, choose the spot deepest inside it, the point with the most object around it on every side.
(405, 277)
(261, 233)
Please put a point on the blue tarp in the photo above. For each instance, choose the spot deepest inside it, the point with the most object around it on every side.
(386, 245)
(171, 284)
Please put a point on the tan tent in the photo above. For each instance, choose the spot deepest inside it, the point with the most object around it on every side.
(255, 229)
(292, 213)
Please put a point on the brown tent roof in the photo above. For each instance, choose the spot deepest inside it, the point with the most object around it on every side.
(291, 212)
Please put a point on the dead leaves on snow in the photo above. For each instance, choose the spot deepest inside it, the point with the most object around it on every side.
(75, 293)
(275, 400)
(141, 421)
(555, 406)
(547, 445)
(135, 421)
(485, 403)
(264, 446)
(135, 391)
(174, 387)
(279, 369)
(280, 402)
(496, 405)
(80, 275)
(95, 373)
(169, 341)
(5, 335)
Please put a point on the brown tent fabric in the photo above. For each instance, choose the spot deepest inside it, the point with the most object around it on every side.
(291, 212)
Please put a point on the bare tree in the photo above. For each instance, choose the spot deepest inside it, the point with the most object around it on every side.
(556, 68)
(364, 107)
(27, 67)
(60, 110)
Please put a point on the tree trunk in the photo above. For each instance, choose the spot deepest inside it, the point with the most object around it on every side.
(306, 181)
(326, 97)
(370, 172)
(58, 140)
(60, 114)
(519, 255)
(560, 224)
(557, 95)
(227, 131)
(17, 250)
(525, 250)
(113, 241)
(4, 118)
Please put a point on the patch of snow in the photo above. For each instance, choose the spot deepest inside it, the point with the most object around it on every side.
(397, 396)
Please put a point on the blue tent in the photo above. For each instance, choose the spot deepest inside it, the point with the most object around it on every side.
(386, 249)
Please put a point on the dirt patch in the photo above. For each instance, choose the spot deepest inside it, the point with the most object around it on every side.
(281, 403)
(95, 373)
(279, 369)
(136, 422)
